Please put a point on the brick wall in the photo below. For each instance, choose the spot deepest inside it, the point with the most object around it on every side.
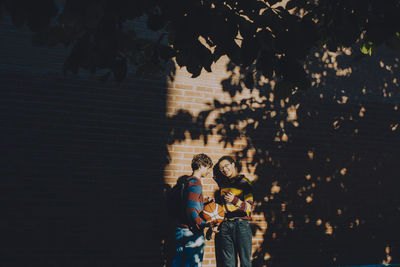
(185, 93)
(85, 162)
(292, 185)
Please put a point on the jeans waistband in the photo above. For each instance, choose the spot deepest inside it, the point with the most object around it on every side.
(235, 219)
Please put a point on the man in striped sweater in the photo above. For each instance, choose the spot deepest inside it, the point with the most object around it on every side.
(235, 236)
(189, 234)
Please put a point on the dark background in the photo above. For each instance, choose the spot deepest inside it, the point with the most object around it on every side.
(82, 162)
(83, 166)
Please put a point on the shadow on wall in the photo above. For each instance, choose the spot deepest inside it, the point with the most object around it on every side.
(326, 160)
(83, 164)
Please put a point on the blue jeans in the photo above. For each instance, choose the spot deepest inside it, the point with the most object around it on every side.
(235, 239)
(189, 248)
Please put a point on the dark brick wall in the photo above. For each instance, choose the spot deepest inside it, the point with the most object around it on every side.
(83, 162)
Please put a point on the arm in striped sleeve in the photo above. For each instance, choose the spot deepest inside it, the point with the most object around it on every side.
(247, 204)
(195, 203)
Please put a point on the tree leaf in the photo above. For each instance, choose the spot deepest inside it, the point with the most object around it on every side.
(249, 50)
(367, 48)
(283, 89)
(249, 80)
(265, 63)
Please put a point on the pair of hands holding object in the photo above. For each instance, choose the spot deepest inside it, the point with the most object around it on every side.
(228, 197)
(213, 226)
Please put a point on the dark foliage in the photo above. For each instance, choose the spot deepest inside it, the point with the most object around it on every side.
(343, 221)
(325, 161)
(269, 39)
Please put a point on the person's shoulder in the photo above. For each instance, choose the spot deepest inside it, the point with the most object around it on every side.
(244, 180)
(192, 180)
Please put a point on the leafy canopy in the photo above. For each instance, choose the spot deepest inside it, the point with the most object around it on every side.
(266, 39)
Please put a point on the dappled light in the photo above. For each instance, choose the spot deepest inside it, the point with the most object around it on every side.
(388, 258)
(275, 188)
(329, 228)
(308, 103)
(323, 158)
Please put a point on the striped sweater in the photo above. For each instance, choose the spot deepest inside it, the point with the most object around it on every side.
(242, 204)
(194, 205)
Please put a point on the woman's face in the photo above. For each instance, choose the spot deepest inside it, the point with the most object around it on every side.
(227, 168)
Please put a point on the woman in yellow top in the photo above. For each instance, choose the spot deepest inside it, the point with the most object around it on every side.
(235, 234)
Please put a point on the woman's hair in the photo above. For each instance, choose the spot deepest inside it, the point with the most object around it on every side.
(228, 158)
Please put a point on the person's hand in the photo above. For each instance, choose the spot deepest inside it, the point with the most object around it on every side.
(229, 197)
(211, 224)
(215, 229)
(209, 234)
(207, 200)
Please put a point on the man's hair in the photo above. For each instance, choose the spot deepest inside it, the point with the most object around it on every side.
(201, 160)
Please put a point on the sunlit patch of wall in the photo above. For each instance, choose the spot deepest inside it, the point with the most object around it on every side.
(186, 98)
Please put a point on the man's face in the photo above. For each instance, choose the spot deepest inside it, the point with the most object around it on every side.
(205, 171)
(227, 168)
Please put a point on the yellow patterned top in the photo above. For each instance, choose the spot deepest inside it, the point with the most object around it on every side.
(242, 204)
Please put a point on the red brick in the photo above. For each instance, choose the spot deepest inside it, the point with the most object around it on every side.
(183, 86)
(175, 92)
(183, 149)
(184, 99)
(204, 89)
(173, 167)
(193, 94)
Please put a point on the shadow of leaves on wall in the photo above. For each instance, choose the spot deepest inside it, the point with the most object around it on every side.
(325, 159)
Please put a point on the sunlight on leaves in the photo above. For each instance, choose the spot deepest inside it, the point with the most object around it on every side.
(388, 257)
(267, 256)
(283, 207)
(336, 125)
(295, 124)
(285, 138)
(292, 112)
(329, 228)
(344, 100)
(275, 189)
(367, 48)
(362, 112)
